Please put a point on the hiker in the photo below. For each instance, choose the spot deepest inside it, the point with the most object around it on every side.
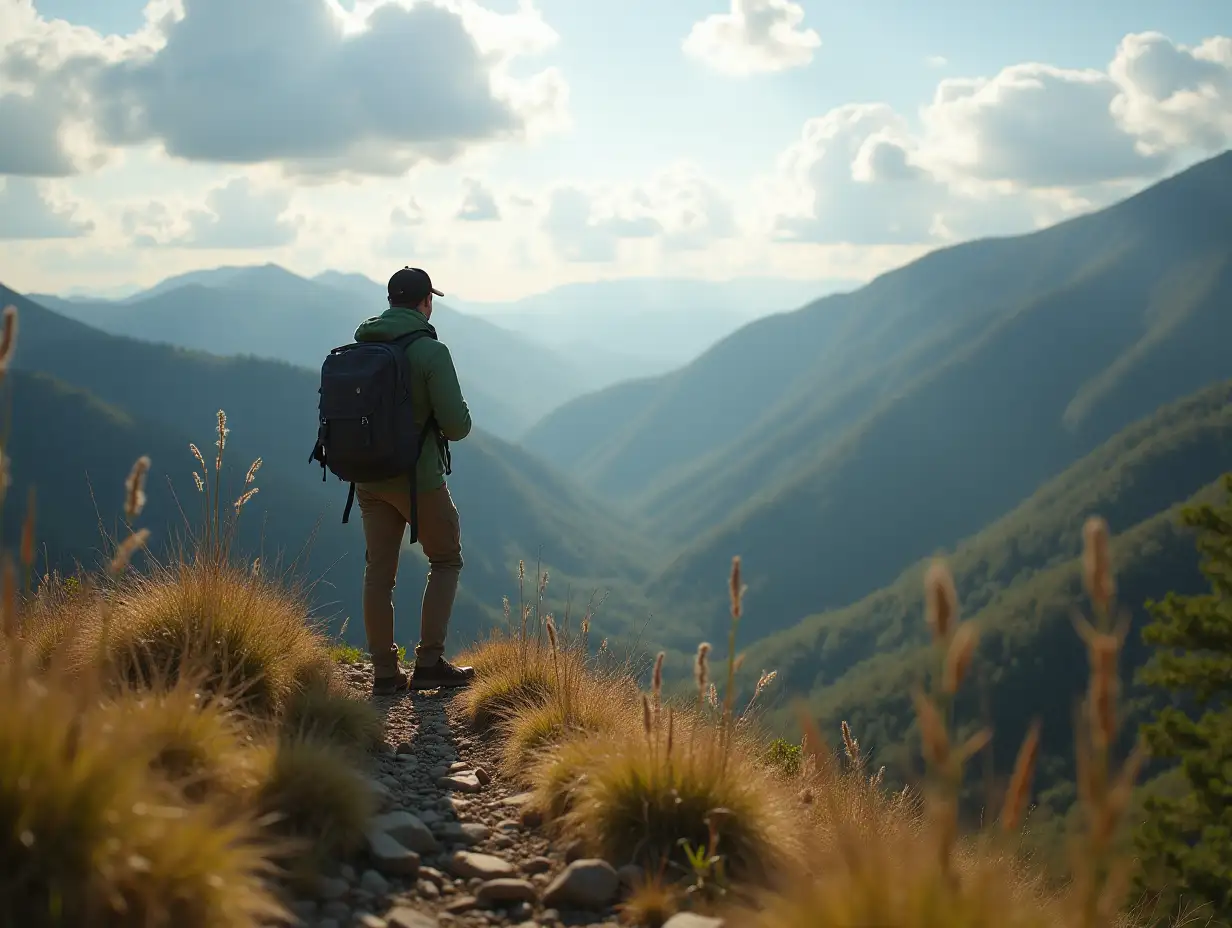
(389, 504)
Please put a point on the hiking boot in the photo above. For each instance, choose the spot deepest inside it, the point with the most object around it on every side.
(441, 674)
(392, 686)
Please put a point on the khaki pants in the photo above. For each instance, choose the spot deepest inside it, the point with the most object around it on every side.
(386, 516)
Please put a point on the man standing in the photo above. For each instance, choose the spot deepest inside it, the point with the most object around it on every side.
(387, 507)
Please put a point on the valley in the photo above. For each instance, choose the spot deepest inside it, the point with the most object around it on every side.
(979, 402)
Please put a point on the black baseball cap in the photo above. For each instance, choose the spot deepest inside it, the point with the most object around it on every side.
(410, 286)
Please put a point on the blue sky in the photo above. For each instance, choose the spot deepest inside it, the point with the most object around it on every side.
(645, 155)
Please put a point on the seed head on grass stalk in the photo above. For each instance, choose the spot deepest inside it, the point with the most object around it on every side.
(701, 671)
(656, 678)
(736, 591)
(134, 503)
(6, 475)
(956, 643)
(766, 678)
(851, 746)
(1104, 792)
(134, 488)
(8, 339)
(1019, 788)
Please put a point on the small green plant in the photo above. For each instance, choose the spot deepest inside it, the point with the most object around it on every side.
(708, 878)
(784, 756)
(346, 654)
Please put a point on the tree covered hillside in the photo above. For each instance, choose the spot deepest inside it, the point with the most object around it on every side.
(1019, 580)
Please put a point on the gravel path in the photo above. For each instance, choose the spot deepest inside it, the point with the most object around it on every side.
(452, 846)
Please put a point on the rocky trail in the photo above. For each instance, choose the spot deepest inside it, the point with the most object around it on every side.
(453, 844)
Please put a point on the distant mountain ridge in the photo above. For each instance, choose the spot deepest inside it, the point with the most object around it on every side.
(652, 324)
(835, 445)
(519, 361)
(267, 311)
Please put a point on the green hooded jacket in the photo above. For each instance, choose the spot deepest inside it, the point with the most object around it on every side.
(434, 389)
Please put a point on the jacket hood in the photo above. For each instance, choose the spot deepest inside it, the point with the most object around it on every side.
(393, 323)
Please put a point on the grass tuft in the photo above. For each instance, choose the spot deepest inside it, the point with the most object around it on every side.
(317, 800)
(631, 800)
(201, 750)
(92, 833)
(527, 731)
(236, 634)
(651, 901)
(509, 678)
(331, 714)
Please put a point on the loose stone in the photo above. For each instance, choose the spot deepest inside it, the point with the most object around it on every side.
(462, 782)
(461, 904)
(408, 830)
(390, 856)
(537, 865)
(584, 884)
(374, 883)
(466, 865)
(505, 891)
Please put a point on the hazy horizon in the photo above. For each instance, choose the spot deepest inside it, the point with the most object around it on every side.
(781, 294)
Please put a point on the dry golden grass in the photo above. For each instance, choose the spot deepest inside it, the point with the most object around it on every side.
(772, 838)
(590, 709)
(173, 744)
(506, 682)
(631, 779)
(328, 712)
(651, 901)
(202, 751)
(894, 883)
(632, 798)
(92, 831)
(233, 631)
(317, 801)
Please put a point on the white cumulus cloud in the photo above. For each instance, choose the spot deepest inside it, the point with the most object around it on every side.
(27, 213)
(1173, 97)
(678, 207)
(235, 215)
(753, 36)
(300, 82)
(479, 204)
(1033, 124)
(995, 155)
(856, 168)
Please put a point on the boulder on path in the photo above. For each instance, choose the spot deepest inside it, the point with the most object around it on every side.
(466, 866)
(584, 884)
(408, 830)
(465, 832)
(505, 891)
(391, 857)
(462, 782)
